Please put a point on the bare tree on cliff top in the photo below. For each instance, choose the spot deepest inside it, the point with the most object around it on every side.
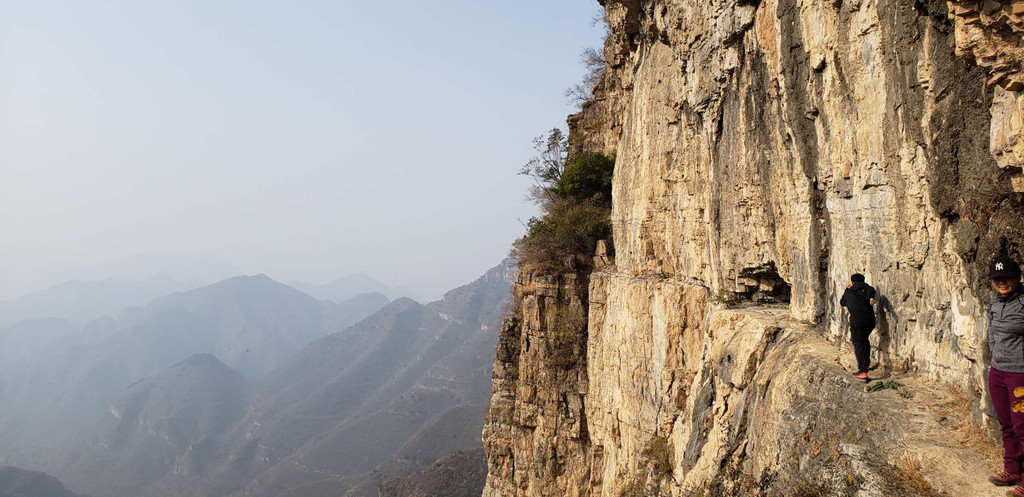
(547, 167)
(592, 60)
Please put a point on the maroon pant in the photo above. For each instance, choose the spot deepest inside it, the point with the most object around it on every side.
(1007, 392)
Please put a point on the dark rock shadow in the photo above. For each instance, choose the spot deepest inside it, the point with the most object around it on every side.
(886, 312)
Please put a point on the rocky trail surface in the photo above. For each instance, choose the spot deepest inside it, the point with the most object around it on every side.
(924, 427)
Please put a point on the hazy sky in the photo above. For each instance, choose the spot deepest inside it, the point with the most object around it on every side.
(304, 140)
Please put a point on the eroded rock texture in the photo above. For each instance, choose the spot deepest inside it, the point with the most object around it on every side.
(991, 34)
(765, 151)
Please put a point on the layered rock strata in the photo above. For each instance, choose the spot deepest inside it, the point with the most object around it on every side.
(765, 151)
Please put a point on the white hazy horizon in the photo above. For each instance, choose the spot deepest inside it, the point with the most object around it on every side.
(306, 142)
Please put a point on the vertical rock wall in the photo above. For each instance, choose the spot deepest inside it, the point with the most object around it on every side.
(765, 151)
(787, 143)
(536, 435)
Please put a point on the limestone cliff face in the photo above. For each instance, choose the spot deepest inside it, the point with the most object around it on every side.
(765, 151)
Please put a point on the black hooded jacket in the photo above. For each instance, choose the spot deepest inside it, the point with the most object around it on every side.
(857, 299)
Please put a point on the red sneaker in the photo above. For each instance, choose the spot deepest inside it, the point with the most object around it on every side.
(1017, 491)
(864, 376)
(1004, 479)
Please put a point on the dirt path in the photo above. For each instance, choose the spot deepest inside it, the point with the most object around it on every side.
(940, 442)
(954, 455)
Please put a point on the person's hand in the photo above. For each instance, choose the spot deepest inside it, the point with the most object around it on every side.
(872, 301)
(849, 285)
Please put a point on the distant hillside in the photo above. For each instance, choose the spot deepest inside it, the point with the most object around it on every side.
(81, 301)
(451, 430)
(60, 380)
(461, 474)
(349, 286)
(15, 482)
(168, 424)
(338, 316)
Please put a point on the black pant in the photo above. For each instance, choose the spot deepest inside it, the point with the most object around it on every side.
(859, 333)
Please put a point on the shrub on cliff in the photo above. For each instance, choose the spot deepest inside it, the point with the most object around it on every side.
(587, 176)
(581, 177)
(564, 237)
(567, 338)
(657, 455)
(574, 195)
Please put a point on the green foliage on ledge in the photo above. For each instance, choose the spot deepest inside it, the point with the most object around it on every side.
(587, 176)
(574, 195)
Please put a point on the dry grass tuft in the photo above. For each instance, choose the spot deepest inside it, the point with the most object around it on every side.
(525, 289)
(958, 413)
(657, 454)
(908, 469)
(568, 337)
(807, 489)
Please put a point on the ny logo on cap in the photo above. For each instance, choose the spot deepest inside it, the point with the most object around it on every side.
(999, 266)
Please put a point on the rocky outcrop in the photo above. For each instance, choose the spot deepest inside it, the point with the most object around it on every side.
(536, 429)
(991, 34)
(765, 151)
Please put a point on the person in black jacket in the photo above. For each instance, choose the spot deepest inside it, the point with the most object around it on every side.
(859, 299)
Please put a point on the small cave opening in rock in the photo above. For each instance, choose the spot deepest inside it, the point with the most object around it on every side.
(762, 284)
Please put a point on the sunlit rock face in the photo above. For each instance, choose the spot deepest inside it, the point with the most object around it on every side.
(794, 143)
(765, 150)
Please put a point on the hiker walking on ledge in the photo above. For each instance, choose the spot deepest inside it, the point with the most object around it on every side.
(859, 299)
(1006, 373)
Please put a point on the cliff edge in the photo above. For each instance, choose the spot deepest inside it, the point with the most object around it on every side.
(765, 150)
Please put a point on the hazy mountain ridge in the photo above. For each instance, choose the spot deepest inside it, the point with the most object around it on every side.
(341, 315)
(428, 360)
(252, 323)
(382, 398)
(16, 482)
(351, 285)
(80, 301)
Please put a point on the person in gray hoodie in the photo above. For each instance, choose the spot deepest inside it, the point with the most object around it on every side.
(1006, 372)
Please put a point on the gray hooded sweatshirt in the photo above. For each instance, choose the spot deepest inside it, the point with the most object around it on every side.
(1006, 331)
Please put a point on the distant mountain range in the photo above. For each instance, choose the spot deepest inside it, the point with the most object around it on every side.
(81, 301)
(349, 286)
(57, 379)
(372, 403)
